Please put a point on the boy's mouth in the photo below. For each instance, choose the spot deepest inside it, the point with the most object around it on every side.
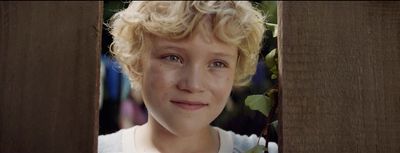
(189, 105)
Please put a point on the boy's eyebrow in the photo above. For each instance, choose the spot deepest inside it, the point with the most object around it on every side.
(223, 54)
(178, 48)
(170, 47)
(167, 45)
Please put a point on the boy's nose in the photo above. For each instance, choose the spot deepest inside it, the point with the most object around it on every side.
(191, 80)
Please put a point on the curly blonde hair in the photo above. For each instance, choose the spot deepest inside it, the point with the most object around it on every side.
(236, 23)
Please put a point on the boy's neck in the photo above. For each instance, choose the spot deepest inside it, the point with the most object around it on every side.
(153, 137)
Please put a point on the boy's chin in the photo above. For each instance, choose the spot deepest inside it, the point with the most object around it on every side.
(189, 130)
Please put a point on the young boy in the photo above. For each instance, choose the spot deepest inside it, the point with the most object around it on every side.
(185, 57)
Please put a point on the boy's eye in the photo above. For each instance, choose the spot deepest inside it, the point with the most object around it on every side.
(218, 64)
(173, 58)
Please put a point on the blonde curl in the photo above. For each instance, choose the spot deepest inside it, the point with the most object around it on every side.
(236, 23)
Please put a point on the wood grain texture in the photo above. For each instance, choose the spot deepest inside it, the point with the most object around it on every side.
(340, 77)
(49, 73)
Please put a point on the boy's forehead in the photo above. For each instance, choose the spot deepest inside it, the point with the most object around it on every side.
(211, 45)
(204, 29)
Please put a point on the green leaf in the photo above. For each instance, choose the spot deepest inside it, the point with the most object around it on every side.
(270, 58)
(257, 149)
(273, 76)
(259, 103)
(274, 70)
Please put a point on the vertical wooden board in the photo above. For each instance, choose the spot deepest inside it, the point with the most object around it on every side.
(339, 77)
(49, 73)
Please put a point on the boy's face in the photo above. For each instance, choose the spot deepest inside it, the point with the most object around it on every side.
(186, 83)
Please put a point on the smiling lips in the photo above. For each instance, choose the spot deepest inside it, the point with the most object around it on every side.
(189, 105)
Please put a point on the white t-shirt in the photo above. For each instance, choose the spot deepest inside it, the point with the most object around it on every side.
(122, 141)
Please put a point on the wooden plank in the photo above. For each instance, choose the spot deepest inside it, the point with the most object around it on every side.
(49, 76)
(340, 77)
